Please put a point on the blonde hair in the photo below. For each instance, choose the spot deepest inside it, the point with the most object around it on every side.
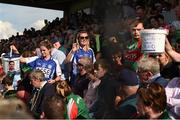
(87, 63)
(63, 89)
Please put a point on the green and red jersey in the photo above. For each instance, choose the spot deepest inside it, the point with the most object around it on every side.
(76, 108)
(133, 54)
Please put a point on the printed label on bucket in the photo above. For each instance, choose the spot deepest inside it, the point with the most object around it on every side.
(153, 42)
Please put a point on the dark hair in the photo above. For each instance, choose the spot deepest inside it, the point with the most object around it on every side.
(7, 81)
(153, 17)
(135, 22)
(11, 62)
(153, 95)
(103, 63)
(54, 107)
(160, 16)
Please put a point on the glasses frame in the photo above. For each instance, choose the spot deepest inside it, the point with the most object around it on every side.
(82, 37)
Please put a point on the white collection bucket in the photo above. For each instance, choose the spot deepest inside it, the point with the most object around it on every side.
(6, 58)
(153, 40)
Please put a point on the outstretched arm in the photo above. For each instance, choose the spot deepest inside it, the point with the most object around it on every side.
(172, 53)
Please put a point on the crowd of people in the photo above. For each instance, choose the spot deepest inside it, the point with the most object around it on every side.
(73, 68)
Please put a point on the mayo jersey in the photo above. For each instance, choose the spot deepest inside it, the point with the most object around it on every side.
(76, 108)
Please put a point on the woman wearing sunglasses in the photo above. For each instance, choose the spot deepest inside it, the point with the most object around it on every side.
(79, 49)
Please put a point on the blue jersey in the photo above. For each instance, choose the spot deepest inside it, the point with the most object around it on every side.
(81, 53)
(48, 67)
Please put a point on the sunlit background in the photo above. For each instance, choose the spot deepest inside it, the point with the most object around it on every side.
(14, 18)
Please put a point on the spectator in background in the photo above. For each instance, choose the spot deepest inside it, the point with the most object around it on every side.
(141, 14)
(129, 84)
(95, 38)
(117, 58)
(58, 56)
(162, 22)
(79, 49)
(149, 71)
(90, 95)
(110, 44)
(9, 90)
(154, 22)
(173, 97)
(177, 45)
(85, 66)
(69, 40)
(151, 102)
(58, 45)
(176, 23)
(54, 108)
(167, 66)
(133, 53)
(106, 90)
(76, 107)
(42, 90)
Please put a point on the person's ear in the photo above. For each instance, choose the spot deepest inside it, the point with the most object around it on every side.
(149, 75)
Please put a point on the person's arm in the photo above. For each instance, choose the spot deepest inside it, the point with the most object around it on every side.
(14, 49)
(23, 60)
(28, 59)
(172, 53)
(75, 47)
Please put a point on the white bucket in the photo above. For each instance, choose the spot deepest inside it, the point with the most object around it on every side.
(153, 40)
(6, 59)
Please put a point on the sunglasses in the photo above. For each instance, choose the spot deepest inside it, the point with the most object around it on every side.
(84, 37)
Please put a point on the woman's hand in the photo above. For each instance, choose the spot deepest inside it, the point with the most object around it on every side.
(14, 49)
(75, 47)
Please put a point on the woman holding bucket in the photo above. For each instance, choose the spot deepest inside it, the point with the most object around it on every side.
(45, 63)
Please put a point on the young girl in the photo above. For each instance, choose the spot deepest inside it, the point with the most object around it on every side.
(45, 63)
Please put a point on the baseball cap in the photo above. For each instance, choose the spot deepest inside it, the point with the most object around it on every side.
(54, 40)
(128, 77)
